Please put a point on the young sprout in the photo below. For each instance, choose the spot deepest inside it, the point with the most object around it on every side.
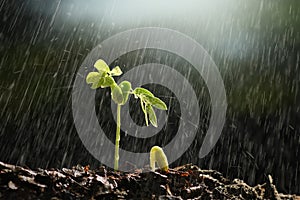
(120, 93)
(158, 156)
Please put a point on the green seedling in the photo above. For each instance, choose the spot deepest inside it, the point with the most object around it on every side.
(103, 78)
(158, 156)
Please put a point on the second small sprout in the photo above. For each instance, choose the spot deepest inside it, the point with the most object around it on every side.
(158, 156)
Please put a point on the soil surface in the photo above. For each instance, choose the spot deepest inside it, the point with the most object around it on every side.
(184, 182)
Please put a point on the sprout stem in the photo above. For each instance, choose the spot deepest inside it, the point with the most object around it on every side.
(116, 165)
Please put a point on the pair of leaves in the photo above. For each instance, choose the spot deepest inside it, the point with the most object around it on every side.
(103, 78)
(149, 98)
(120, 93)
(148, 101)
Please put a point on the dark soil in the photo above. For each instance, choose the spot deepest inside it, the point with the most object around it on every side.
(184, 182)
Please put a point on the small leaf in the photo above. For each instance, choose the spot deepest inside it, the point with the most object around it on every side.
(125, 87)
(142, 91)
(96, 85)
(93, 77)
(107, 82)
(156, 102)
(116, 94)
(116, 71)
(102, 67)
(152, 115)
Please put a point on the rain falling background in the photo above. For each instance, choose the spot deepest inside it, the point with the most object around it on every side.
(255, 44)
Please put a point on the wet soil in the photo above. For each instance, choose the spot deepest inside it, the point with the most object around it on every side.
(184, 182)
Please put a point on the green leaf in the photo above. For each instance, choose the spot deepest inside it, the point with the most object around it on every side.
(102, 67)
(156, 102)
(142, 91)
(93, 77)
(116, 71)
(116, 94)
(107, 82)
(96, 85)
(152, 115)
(125, 87)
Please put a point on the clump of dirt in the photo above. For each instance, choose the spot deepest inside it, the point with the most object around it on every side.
(184, 182)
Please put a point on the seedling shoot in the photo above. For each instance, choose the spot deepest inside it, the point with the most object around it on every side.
(103, 78)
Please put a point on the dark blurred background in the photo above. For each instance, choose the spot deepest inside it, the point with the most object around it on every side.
(255, 44)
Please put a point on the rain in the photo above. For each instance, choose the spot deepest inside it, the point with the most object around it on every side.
(254, 44)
